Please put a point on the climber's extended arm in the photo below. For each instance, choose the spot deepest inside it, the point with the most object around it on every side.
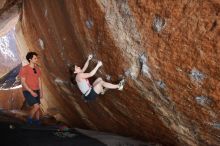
(87, 63)
(92, 73)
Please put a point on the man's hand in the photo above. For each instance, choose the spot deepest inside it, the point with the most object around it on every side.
(90, 56)
(33, 94)
(41, 94)
(99, 63)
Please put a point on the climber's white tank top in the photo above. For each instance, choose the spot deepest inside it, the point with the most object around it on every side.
(84, 86)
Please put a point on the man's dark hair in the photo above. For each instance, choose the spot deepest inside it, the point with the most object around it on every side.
(30, 55)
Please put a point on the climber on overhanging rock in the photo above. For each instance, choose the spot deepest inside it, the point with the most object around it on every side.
(90, 92)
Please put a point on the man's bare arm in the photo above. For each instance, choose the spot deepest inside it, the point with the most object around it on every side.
(41, 87)
(27, 88)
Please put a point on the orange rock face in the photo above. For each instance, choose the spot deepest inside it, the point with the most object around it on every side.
(168, 52)
(11, 99)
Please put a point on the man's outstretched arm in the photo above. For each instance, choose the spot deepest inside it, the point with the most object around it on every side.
(87, 63)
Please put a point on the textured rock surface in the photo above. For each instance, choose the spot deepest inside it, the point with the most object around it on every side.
(11, 99)
(168, 51)
(9, 56)
(9, 11)
(9, 14)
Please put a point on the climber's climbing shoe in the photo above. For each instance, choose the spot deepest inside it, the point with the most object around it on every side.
(121, 84)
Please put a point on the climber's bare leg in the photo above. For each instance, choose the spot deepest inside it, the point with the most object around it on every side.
(98, 88)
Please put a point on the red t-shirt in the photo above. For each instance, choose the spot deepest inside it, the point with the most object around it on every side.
(31, 78)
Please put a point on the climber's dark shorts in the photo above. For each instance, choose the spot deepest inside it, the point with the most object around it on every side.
(91, 96)
(31, 100)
